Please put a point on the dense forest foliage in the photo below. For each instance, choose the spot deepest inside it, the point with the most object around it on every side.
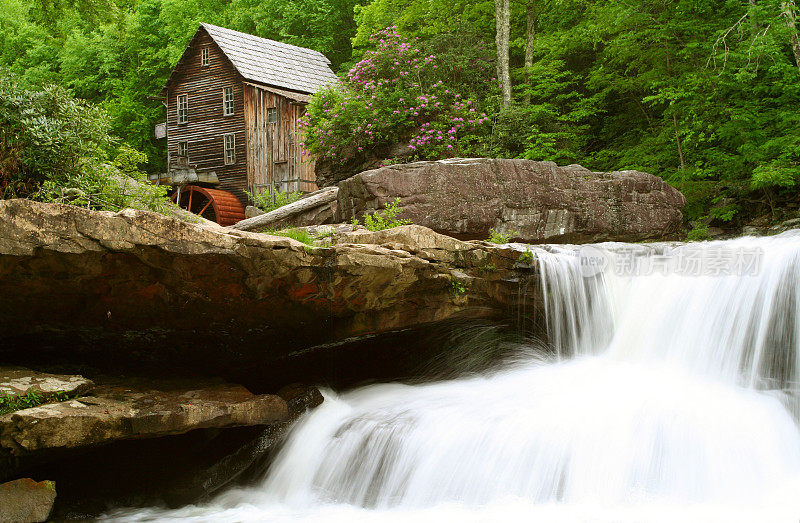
(705, 93)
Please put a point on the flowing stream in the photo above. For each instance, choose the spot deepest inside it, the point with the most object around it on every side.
(670, 394)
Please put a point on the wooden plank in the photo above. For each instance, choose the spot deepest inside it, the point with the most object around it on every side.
(317, 199)
(249, 130)
(283, 127)
(264, 129)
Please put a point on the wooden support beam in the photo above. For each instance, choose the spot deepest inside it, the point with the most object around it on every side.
(315, 199)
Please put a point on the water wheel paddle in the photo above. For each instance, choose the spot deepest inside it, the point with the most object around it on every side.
(212, 204)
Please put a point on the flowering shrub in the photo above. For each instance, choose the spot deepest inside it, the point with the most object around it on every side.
(394, 95)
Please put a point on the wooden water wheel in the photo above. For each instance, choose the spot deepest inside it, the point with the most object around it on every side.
(212, 204)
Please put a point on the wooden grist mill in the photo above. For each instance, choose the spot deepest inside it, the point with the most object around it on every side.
(233, 103)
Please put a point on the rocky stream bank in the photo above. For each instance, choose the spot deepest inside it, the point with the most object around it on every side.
(130, 320)
(152, 360)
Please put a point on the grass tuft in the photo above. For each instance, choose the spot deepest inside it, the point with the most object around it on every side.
(33, 398)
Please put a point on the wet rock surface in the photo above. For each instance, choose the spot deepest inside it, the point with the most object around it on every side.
(300, 398)
(533, 202)
(764, 229)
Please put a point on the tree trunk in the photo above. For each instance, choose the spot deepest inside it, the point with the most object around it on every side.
(675, 123)
(502, 12)
(678, 140)
(530, 39)
(311, 201)
(789, 10)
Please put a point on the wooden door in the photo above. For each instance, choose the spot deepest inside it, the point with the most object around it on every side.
(260, 176)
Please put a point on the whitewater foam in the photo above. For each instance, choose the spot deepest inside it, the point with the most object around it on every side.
(667, 397)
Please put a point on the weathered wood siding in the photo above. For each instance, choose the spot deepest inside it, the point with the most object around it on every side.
(207, 124)
(275, 160)
(303, 165)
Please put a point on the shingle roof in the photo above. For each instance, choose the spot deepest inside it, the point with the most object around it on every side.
(273, 63)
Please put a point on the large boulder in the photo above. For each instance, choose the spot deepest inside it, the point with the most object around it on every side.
(533, 202)
(26, 500)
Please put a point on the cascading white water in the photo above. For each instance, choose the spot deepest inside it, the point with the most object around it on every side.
(672, 396)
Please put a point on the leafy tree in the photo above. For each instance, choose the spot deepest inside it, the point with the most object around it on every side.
(324, 25)
(701, 92)
(45, 134)
(426, 19)
(55, 147)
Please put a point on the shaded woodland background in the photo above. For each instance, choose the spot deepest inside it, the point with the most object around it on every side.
(705, 93)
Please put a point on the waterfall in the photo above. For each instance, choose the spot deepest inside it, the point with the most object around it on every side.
(670, 394)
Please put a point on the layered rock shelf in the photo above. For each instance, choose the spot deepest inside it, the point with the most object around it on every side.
(78, 413)
(80, 421)
(95, 280)
(136, 408)
(141, 327)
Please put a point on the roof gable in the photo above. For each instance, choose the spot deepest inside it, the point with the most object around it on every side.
(268, 62)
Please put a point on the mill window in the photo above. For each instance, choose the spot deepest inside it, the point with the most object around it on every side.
(272, 115)
(227, 101)
(183, 149)
(204, 61)
(183, 108)
(230, 149)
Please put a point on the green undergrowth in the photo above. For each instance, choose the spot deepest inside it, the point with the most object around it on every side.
(384, 219)
(300, 235)
(458, 288)
(496, 236)
(698, 233)
(33, 398)
(269, 201)
(311, 241)
(526, 257)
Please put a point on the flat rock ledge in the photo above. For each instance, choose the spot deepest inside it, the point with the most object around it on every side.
(136, 408)
(133, 408)
(19, 381)
(70, 272)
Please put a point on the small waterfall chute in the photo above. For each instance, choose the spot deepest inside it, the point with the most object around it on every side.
(669, 395)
